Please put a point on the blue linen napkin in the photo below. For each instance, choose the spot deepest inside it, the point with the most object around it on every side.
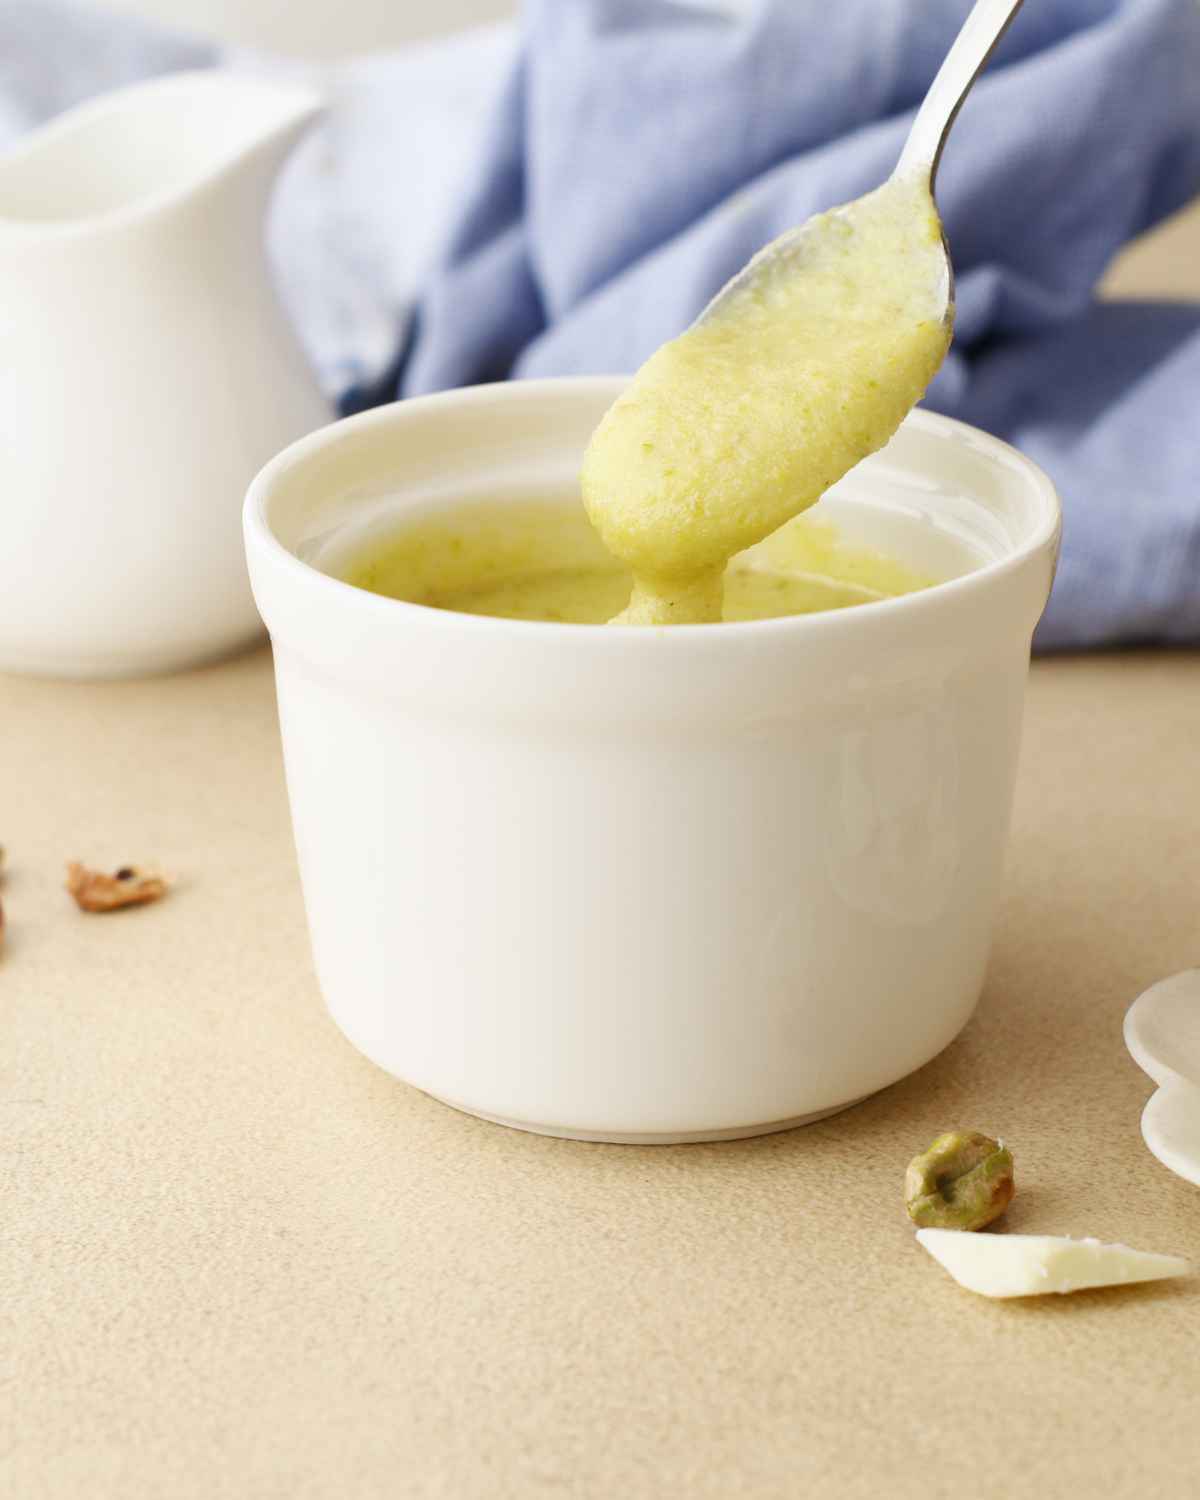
(644, 151)
(641, 150)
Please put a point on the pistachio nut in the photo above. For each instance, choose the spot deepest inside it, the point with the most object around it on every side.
(963, 1181)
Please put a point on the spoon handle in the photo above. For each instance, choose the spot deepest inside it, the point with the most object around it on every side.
(973, 45)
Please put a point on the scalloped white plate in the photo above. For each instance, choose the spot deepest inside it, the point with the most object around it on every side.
(1162, 1031)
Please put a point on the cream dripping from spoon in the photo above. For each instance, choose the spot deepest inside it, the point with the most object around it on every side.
(804, 364)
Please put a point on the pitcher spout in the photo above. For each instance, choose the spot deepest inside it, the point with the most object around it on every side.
(142, 148)
(274, 117)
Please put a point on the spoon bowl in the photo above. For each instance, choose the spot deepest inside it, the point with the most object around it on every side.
(791, 251)
(805, 363)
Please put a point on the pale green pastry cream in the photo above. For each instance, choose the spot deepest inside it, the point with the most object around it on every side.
(696, 478)
(746, 420)
(521, 559)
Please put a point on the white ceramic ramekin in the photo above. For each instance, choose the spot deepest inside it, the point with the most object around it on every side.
(635, 884)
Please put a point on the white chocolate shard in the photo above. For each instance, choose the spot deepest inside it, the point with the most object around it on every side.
(1028, 1265)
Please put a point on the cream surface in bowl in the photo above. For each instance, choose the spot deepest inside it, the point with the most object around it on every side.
(635, 883)
(539, 558)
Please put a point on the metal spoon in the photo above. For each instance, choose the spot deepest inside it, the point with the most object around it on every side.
(962, 65)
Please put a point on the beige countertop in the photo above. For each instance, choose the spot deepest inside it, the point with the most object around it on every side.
(239, 1261)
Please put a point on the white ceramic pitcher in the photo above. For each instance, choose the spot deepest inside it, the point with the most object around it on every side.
(146, 373)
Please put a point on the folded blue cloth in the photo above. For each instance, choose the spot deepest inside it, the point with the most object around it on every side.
(640, 152)
(644, 151)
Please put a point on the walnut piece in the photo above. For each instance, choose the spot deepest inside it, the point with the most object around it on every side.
(95, 891)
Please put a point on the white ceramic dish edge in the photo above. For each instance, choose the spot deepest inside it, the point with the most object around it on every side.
(1162, 1032)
